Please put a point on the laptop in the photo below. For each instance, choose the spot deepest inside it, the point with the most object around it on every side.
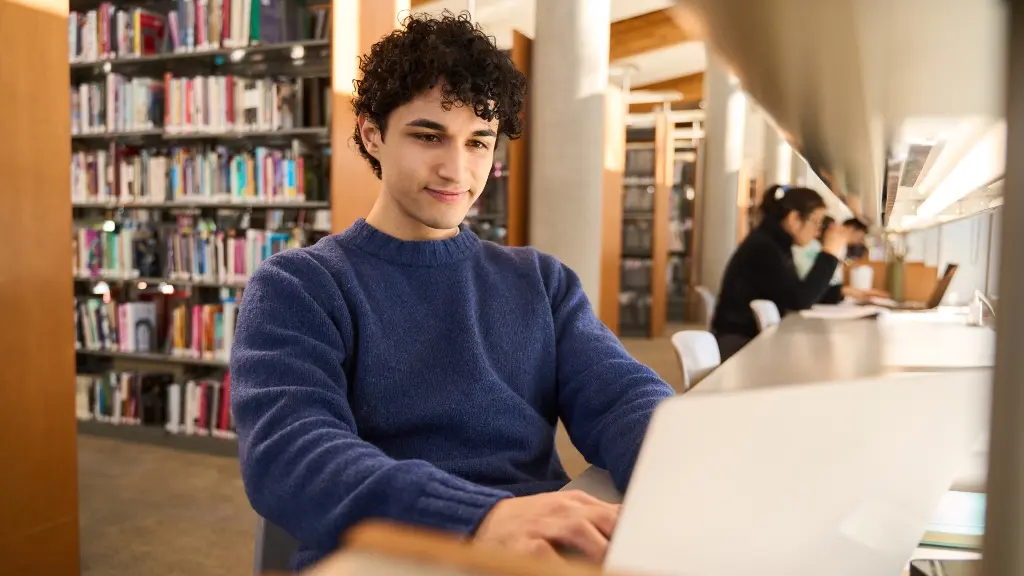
(934, 300)
(839, 478)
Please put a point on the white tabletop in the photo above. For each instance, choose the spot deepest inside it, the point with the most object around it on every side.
(811, 350)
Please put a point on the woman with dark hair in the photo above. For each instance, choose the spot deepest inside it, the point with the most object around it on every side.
(762, 268)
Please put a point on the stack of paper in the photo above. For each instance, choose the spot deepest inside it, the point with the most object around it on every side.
(841, 312)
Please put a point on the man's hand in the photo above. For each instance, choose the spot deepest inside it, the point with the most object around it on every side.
(538, 524)
(863, 295)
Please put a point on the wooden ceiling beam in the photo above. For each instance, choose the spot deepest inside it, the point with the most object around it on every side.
(645, 33)
(636, 35)
(690, 86)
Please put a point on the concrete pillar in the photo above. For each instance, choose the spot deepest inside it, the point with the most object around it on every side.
(725, 127)
(568, 86)
(778, 158)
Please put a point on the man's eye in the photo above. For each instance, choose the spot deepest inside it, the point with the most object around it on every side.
(428, 137)
(478, 144)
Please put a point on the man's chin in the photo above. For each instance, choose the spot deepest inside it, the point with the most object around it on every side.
(448, 221)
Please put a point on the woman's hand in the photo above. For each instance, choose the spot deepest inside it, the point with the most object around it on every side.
(834, 240)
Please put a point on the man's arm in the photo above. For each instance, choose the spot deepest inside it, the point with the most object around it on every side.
(605, 396)
(303, 464)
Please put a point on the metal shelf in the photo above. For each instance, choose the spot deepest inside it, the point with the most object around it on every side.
(150, 357)
(157, 436)
(209, 205)
(156, 281)
(302, 58)
(158, 136)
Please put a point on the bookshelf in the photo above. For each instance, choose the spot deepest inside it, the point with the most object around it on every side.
(166, 196)
(500, 215)
(681, 222)
(200, 146)
(650, 177)
(637, 237)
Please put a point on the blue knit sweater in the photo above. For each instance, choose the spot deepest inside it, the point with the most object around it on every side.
(422, 382)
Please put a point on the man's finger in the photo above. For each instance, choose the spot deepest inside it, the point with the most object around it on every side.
(535, 547)
(603, 518)
(580, 535)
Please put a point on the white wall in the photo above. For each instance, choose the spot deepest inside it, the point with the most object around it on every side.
(972, 243)
(994, 252)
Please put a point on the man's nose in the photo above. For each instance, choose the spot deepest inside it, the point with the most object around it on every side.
(453, 164)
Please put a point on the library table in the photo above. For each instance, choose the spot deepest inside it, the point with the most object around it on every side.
(812, 350)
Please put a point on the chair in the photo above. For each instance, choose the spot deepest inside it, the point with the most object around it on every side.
(767, 314)
(698, 354)
(274, 548)
(709, 304)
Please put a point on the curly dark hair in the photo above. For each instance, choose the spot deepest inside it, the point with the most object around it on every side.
(430, 49)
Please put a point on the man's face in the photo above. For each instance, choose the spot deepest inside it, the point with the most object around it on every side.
(856, 237)
(434, 163)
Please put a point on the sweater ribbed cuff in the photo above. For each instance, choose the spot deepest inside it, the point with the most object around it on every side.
(456, 505)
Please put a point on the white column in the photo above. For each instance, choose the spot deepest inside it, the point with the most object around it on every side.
(755, 128)
(568, 84)
(778, 158)
(724, 129)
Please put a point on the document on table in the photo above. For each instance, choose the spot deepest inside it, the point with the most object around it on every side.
(841, 312)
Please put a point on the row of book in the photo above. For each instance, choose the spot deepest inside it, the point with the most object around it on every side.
(219, 257)
(196, 407)
(217, 104)
(197, 104)
(203, 331)
(111, 253)
(118, 327)
(193, 25)
(195, 250)
(195, 331)
(117, 104)
(634, 312)
(108, 32)
(201, 174)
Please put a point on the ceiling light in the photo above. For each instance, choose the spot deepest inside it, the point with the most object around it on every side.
(983, 164)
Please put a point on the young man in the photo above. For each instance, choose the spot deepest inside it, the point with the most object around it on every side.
(406, 370)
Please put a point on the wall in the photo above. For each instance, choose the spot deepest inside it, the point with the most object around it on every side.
(972, 243)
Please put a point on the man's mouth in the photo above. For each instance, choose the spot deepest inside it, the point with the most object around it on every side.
(445, 195)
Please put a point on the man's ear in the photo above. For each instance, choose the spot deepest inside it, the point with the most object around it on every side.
(370, 134)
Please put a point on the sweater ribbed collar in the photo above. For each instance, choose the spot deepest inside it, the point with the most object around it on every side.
(366, 238)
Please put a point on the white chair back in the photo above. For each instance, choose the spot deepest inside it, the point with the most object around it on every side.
(698, 354)
(767, 314)
(709, 304)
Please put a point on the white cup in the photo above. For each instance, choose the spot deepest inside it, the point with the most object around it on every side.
(862, 277)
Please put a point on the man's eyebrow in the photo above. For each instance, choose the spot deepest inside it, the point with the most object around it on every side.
(433, 125)
(428, 124)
